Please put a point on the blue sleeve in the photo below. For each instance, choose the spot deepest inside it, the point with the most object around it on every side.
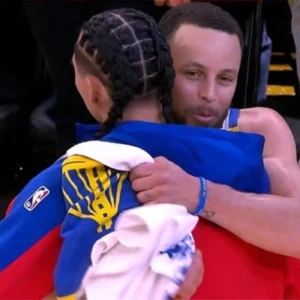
(37, 210)
(27, 232)
(95, 195)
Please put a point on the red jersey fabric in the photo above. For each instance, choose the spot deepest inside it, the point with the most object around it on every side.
(234, 269)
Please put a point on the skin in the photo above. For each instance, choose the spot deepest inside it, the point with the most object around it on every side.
(97, 100)
(270, 222)
(207, 90)
(171, 3)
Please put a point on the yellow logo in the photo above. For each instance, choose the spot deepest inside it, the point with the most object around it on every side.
(96, 189)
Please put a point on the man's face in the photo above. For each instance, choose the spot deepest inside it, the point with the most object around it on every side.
(207, 63)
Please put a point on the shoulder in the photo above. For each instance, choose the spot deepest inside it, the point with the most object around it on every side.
(273, 128)
(92, 169)
(50, 177)
(45, 185)
(258, 118)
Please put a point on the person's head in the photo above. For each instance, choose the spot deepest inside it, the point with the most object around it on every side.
(206, 45)
(121, 60)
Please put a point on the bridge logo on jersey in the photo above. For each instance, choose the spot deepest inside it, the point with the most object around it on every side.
(36, 198)
(92, 191)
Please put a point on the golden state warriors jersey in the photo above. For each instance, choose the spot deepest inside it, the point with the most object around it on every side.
(231, 121)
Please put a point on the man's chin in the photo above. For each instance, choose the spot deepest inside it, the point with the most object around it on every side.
(193, 122)
(200, 124)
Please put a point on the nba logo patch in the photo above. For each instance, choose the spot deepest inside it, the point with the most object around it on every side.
(36, 198)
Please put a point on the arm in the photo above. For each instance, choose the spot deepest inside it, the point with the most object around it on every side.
(267, 221)
(93, 194)
(270, 222)
(29, 239)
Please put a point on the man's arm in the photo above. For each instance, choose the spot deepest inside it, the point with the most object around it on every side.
(267, 221)
(271, 222)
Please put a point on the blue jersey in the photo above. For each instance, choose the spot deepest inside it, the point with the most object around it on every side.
(95, 195)
(30, 237)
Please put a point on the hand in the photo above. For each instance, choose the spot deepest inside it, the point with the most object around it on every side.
(51, 296)
(165, 182)
(193, 278)
(171, 3)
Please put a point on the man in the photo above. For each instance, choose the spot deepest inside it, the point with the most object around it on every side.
(206, 45)
(204, 86)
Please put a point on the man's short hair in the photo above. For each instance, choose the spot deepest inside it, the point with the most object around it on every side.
(201, 14)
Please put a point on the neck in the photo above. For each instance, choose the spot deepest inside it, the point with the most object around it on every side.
(145, 109)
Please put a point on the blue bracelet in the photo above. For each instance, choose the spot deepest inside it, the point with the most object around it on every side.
(203, 196)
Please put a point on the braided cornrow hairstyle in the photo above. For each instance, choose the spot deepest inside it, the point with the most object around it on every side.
(128, 48)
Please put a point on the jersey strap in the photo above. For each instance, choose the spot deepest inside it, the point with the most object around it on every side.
(231, 121)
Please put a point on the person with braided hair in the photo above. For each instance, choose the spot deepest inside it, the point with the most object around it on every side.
(131, 67)
(31, 229)
(124, 72)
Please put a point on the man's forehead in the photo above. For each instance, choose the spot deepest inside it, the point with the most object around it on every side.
(204, 46)
(189, 35)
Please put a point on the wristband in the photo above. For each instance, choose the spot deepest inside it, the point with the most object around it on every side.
(203, 196)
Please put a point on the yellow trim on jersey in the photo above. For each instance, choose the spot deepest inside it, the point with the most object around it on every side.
(235, 129)
(70, 297)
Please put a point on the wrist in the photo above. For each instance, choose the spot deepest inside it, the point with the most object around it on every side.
(202, 196)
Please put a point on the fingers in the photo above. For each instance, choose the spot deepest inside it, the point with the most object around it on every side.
(143, 184)
(161, 161)
(147, 169)
(152, 180)
(159, 2)
(146, 197)
(193, 278)
(155, 192)
(170, 3)
(142, 170)
(198, 267)
(173, 3)
(51, 296)
(145, 188)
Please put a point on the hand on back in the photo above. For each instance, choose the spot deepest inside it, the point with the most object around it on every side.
(165, 182)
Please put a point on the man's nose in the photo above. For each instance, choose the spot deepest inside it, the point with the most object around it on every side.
(207, 91)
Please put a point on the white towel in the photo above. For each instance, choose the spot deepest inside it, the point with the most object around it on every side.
(148, 254)
(116, 156)
(146, 258)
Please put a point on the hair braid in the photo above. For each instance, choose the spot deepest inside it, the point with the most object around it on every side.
(165, 70)
(128, 48)
(113, 66)
(165, 65)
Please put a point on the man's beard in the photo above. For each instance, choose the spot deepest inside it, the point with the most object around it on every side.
(183, 120)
